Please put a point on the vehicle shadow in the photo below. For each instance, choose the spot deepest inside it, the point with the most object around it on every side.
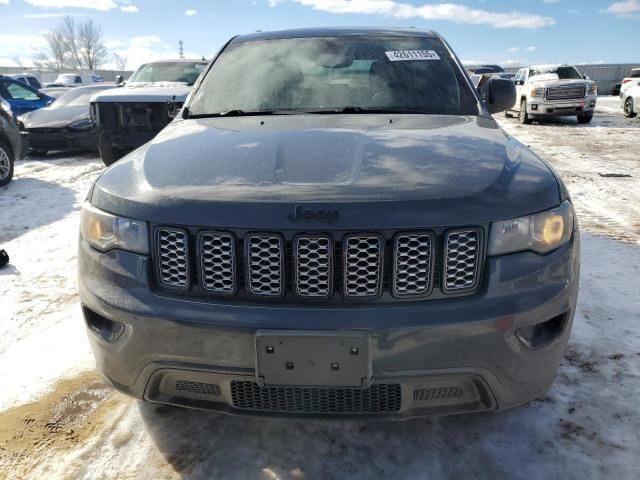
(28, 203)
(203, 445)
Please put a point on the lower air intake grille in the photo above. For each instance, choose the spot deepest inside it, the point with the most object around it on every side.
(440, 393)
(462, 260)
(197, 387)
(173, 265)
(379, 398)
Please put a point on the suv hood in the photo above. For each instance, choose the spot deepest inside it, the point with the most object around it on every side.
(54, 117)
(378, 171)
(149, 92)
(548, 79)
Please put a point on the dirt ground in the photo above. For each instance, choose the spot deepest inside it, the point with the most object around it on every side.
(59, 420)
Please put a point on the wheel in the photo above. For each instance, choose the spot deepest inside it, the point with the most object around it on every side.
(524, 116)
(6, 163)
(628, 108)
(585, 117)
(108, 153)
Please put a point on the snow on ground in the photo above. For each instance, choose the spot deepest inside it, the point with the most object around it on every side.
(58, 420)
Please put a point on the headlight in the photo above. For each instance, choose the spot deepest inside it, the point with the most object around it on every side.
(541, 232)
(84, 124)
(592, 89)
(537, 92)
(105, 231)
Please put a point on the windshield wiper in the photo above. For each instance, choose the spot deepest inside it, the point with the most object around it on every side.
(354, 109)
(236, 112)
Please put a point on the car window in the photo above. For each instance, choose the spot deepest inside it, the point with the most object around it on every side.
(563, 73)
(635, 73)
(78, 80)
(518, 76)
(414, 74)
(183, 72)
(19, 92)
(34, 82)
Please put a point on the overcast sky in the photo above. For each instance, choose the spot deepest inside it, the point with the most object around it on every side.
(494, 31)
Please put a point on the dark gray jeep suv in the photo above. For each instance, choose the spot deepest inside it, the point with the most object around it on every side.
(333, 226)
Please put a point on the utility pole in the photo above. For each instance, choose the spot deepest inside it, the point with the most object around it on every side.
(180, 48)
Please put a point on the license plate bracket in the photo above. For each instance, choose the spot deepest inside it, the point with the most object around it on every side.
(309, 358)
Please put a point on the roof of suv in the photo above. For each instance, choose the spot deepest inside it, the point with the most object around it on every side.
(334, 32)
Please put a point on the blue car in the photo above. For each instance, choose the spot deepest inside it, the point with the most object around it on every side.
(21, 97)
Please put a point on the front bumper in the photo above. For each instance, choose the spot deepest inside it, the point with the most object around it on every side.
(59, 139)
(559, 108)
(436, 357)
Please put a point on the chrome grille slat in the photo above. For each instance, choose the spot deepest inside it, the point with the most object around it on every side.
(313, 271)
(413, 264)
(172, 252)
(566, 92)
(462, 260)
(362, 265)
(217, 262)
(265, 264)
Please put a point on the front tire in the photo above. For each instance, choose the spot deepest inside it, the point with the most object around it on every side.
(585, 118)
(628, 108)
(6, 163)
(524, 115)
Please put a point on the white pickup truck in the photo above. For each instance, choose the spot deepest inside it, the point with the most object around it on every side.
(544, 91)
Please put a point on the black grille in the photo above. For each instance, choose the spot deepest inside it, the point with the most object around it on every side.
(379, 398)
(217, 262)
(439, 393)
(199, 388)
(316, 266)
(313, 266)
(173, 264)
(413, 262)
(462, 260)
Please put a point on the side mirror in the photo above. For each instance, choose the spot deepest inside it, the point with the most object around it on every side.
(119, 79)
(586, 77)
(501, 94)
(519, 82)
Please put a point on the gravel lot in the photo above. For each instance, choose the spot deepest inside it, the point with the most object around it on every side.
(59, 420)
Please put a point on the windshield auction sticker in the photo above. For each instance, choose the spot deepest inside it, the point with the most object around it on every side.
(408, 55)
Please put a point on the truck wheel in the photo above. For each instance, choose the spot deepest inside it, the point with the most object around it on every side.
(524, 115)
(628, 108)
(6, 163)
(108, 153)
(585, 117)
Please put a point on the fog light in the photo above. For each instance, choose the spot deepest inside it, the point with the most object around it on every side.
(542, 334)
(534, 106)
(105, 328)
(592, 103)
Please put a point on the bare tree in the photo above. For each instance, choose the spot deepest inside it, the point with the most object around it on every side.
(91, 48)
(120, 60)
(55, 54)
(70, 37)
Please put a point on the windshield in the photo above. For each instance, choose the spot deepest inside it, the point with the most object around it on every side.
(355, 74)
(77, 97)
(563, 73)
(183, 72)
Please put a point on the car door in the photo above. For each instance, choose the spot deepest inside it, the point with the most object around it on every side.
(518, 79)
(22, 98)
